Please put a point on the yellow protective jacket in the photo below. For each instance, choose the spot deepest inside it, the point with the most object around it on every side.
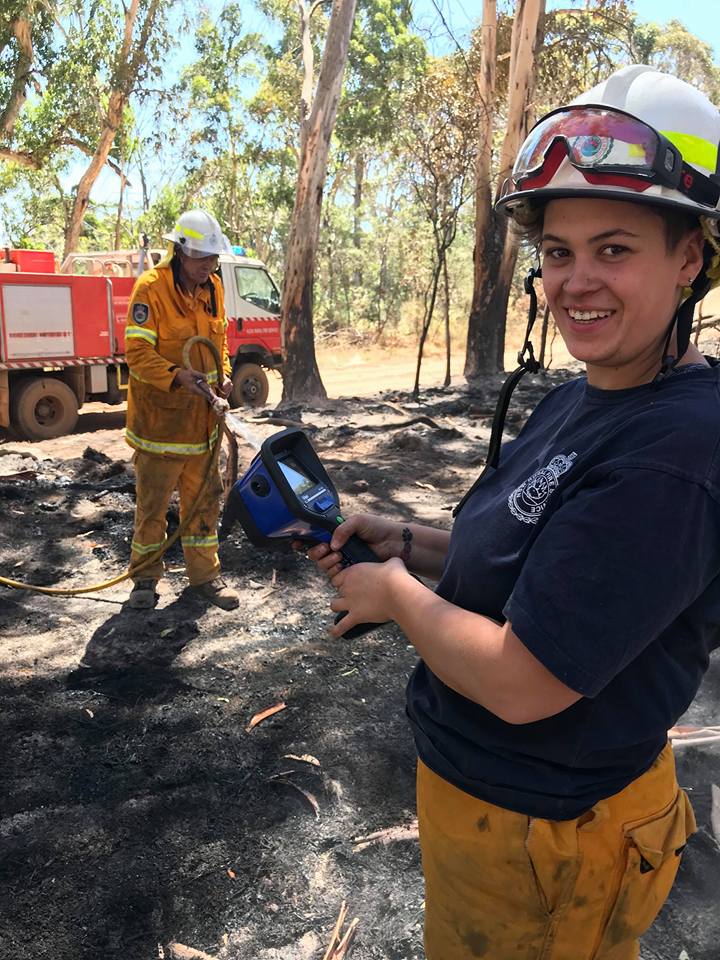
(161, 318)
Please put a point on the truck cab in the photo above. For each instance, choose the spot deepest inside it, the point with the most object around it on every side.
(252, 306)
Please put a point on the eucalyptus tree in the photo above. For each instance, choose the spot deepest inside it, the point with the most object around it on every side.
(301, 378)
(494, 254)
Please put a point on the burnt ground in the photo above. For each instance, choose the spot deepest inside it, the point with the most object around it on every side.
(137, 809)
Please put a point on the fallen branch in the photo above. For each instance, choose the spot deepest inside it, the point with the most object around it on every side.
(338, 947)
(302, 758)
(9, 452)
(715, 812)
(428, 421)
(285, 422)
(404, 831)
(20, 475)
(178, 951)
(690, 736)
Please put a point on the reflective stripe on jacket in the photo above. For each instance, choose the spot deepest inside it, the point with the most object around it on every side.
(161, 319)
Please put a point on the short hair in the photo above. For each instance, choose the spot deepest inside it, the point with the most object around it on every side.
(528, 218)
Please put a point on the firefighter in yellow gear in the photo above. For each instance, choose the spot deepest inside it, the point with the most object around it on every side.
(169, 422)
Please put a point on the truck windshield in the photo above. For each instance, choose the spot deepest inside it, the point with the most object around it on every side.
(255, 285)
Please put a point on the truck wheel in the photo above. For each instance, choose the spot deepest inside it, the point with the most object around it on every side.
(42, 408)
(250, 386)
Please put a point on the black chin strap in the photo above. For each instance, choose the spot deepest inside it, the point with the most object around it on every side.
(683, 319)
(526, 364)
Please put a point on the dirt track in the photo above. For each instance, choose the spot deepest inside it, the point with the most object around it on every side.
(137, 808)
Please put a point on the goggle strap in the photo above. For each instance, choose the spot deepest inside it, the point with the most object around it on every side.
(698, 187)
(527, 364)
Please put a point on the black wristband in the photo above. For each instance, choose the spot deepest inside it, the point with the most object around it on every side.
(407, 536)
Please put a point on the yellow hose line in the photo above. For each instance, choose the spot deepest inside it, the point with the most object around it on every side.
(96, 587)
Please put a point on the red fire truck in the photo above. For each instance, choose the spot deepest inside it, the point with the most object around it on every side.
(62, 333)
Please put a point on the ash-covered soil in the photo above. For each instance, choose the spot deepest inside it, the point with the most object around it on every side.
(138, 810)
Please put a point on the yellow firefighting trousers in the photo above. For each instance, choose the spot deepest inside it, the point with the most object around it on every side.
(503, 886)
(156, 476)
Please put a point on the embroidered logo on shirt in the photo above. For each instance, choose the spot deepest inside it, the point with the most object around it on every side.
(528, 500)
(140, 313)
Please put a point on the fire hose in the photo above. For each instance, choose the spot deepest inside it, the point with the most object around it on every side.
(218, 406)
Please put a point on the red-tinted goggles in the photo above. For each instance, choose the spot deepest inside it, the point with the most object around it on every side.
(608, 147)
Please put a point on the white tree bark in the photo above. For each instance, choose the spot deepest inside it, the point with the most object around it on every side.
(301, 377)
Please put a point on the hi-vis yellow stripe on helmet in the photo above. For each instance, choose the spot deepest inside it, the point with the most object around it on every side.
(189, 232)
(694, 150)
(198, 234)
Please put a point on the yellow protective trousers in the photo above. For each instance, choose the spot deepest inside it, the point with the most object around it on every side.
(503, 886)
(156, 477)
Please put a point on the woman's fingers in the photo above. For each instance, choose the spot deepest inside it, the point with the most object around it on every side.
(317, 552)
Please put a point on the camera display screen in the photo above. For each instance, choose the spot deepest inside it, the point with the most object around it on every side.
(296, 475)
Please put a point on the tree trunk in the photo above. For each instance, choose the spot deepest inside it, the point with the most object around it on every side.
(118, 215)
(427, 320)
(476, 345)
(543, 336)
(357, 204)
(87, 181)
(495, 254)
(301, 377)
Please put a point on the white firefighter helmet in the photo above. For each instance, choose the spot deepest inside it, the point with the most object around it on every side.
(640, 135)
(198, 234)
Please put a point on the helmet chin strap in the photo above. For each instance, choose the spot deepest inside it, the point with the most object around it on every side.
(526, 364)
(683, 319)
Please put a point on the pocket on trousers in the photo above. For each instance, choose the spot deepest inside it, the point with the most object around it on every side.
(651, 859)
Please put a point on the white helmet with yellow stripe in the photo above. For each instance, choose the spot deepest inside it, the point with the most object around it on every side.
(640, 135)
(198, 235)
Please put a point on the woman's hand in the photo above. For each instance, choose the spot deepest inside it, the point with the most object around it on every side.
(384, 537)
(368, 593)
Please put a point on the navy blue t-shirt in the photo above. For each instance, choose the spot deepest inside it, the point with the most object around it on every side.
(598, 538)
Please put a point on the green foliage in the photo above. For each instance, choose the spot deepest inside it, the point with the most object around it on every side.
(36, 216)
(384, 60)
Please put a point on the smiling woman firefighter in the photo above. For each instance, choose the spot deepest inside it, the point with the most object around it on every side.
(169, 422)
(579, 590)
